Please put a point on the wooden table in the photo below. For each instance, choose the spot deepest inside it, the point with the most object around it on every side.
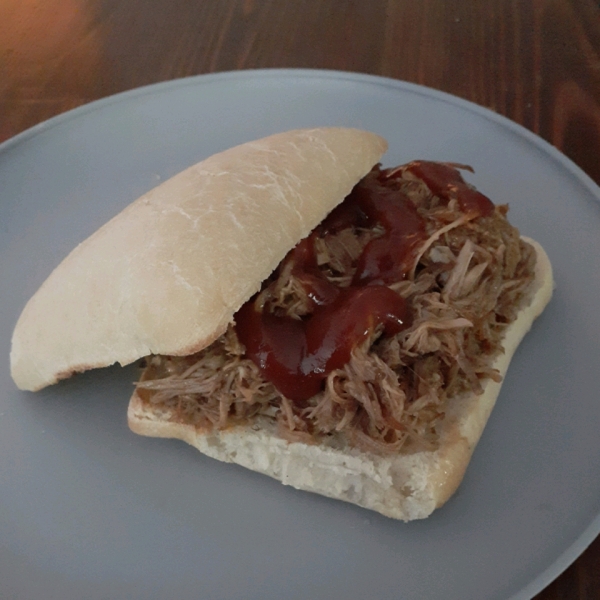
(535, 61)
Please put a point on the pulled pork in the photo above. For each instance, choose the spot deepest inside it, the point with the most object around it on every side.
(469, 279)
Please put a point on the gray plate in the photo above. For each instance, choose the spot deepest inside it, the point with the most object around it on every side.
(90, 510)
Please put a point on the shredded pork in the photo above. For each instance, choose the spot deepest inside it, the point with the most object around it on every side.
(470, 279)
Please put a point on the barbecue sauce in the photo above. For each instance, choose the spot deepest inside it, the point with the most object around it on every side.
(296, 355)
(446, 182)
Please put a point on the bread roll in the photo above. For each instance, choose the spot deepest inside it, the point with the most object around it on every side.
(166, 275)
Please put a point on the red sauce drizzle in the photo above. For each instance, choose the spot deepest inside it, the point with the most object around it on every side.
(446, 182)
(306, 270)
(388, 258)
(297, 355)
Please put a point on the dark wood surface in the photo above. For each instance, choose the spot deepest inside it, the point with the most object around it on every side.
(534, 61)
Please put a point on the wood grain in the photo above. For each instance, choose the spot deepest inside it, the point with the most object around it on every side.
(536, 62)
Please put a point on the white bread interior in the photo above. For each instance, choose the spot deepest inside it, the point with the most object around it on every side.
(406, 487)
(166, 275)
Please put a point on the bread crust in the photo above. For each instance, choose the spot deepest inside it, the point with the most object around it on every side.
(406, 486)
(167, 274)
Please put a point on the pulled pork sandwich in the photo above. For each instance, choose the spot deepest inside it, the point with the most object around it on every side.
(305, 313)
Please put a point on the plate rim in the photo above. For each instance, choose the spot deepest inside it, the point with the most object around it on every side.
(307, 73)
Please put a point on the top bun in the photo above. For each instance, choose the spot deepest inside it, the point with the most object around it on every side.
(168, 273)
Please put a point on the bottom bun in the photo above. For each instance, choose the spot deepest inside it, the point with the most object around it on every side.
(403, 486)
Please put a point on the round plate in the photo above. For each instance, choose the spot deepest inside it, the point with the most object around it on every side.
(91, 510)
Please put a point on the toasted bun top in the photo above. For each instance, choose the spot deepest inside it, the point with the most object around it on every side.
(167, 274)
